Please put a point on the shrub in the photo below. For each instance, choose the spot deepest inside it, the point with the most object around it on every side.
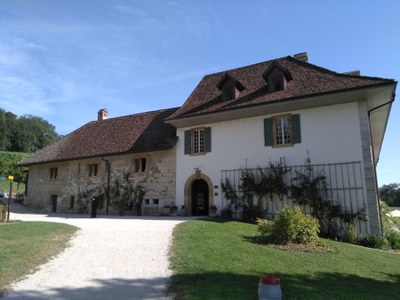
(290, 226)
(350, 235)
(372, 241)
(393, 239)
(265, 227)
(226, 214)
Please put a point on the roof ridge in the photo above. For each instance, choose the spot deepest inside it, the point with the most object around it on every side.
(134, 115)
(326, 70)
(245, 67)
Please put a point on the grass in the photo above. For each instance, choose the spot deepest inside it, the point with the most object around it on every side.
(5, 186)
(26, 245)
(220, 260)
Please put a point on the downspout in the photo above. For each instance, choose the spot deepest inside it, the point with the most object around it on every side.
(108, 170)
(374, 157)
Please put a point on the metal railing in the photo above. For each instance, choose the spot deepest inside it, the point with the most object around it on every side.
(344, 183)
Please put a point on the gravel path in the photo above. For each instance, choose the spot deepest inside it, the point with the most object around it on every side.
(109, 258)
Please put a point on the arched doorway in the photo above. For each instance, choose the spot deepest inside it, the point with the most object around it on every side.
(199, 199)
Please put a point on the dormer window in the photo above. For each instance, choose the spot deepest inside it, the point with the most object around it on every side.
(277, 77)
(230, 87)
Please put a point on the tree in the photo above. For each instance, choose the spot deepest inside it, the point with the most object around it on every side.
(390, 193)
(24, 134)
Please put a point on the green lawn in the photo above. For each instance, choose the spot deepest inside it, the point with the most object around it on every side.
(213, 260)
(5, 186)
(26, 245)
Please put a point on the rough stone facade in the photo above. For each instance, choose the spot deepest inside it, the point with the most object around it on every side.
(75, 178)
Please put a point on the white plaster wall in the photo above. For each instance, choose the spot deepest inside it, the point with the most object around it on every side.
(330, 134)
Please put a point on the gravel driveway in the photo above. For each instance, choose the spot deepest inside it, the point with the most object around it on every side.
(109, 258)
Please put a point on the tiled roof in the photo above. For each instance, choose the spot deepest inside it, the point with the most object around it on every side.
(308, 80)
(128, 134)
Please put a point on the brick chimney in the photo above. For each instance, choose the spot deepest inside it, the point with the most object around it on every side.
(301, 56)
(353, 73)
(102, 114)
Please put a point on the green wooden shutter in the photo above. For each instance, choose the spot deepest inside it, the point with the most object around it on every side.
(268, 135)
(188, 141)
(296, 132)
(207, 136)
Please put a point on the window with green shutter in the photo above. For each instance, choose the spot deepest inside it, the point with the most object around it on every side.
(282, 130)
(197, 141)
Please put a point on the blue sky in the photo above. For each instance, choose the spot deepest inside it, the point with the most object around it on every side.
(65, 60)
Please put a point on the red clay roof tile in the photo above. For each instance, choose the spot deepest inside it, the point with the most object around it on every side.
(128, 134)
(308, 80)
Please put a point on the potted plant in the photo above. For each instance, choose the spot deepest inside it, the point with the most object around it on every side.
(213, 211)
(174, 210)
(166, 210)
(183, 210)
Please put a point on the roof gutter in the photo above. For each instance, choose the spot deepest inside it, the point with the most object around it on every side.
(374, 162)
(108, 170)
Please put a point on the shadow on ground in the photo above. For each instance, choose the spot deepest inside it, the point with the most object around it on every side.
(117, 288)
(216, 285)
(20, 209)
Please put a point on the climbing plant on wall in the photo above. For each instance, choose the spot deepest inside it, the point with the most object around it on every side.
(307, 189)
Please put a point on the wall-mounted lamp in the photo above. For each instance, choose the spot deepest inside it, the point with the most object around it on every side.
(197, 171)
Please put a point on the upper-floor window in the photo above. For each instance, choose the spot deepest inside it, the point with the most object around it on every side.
(198, 141)
(140, 164)
(282, 131)
(277, 77)
(230, 87)
(93, 169)
(53, 172)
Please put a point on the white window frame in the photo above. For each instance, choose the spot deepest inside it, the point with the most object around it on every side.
(282, 131)
(198, 141)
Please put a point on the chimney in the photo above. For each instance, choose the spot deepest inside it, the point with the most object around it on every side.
(353, 73)
(102, 114)
(301, 56)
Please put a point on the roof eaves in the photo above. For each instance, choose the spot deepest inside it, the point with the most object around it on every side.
(231, 107)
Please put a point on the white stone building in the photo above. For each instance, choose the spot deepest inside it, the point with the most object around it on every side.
(283, 109)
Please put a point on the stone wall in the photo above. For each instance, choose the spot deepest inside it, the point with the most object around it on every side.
(74, 185)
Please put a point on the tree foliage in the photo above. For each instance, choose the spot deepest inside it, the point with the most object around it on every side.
(390, 194)
(24, 134)
(8, 165)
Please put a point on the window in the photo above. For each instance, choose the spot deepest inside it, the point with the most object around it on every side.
(140, 164)
(147, 201)
(53, 172)
(155, 201)
(277, 77)
(230, 87)
(277, 84)
(93, 169)
(282, 131)
(198, 141)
